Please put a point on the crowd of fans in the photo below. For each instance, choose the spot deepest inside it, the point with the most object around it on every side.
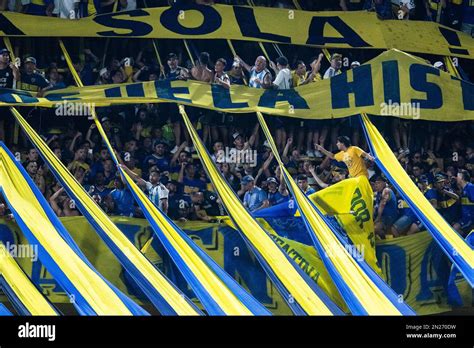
(155, 149)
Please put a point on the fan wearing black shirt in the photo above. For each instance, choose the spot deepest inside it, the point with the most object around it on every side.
(9, 75)
(179, 204)
(206, 205)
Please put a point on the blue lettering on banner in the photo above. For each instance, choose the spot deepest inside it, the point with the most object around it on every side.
(212, 20)
(391, 81)
(270, 97)
(361, 87)
(249, 27)
(419, 82)
(166, 91)
(349, 36)
(467, 90)
(221, 98)
(136, 28)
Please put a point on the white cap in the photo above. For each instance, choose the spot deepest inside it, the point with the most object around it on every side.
(438, 64)
(355, 63)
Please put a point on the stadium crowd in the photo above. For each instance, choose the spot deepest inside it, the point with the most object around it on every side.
(155, 148)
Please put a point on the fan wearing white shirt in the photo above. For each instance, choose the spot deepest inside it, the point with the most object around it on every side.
(157, 192)
(283, 78)
(67, 8)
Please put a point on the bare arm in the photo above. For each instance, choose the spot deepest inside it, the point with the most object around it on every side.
(89, 134)
(315, 67)
(318, 180)
(16, 72)
(73, 142)
(368, 156)
(265, 204)
(181, 173)
(244, 65)
(383, 203)
(324, 151)
(133, 175)
(176, 154)
(284, 155)
(252, 138)
(54, 204)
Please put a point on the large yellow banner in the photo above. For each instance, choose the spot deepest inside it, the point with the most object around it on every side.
(324, 29)
(394, 83)
(413, 266)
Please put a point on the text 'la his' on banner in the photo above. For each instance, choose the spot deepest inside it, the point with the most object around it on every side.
(394, 83)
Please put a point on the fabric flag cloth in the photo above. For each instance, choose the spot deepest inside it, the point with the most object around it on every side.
(89, 291)
(360, 286)
(25, 297)
(454, 246)
(301, 293)
(350, 203)
(161, 291)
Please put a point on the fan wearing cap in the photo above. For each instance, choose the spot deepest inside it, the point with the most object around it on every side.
(352, 156)
(31, 80)
(385, 207)
(175, 72)
(335, 68)
(277, 193)
(439, 65)
(236, 73)
(254, 198)
(444, 199)
(466, 222)
(241, 145)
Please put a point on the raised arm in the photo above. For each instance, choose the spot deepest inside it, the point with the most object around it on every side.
(54, 204)
(312, 170)
(284, 155)
(89, 134)
(245, 65)
(252, 138)
(133, 175)
(176, 154)
(324, 151)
